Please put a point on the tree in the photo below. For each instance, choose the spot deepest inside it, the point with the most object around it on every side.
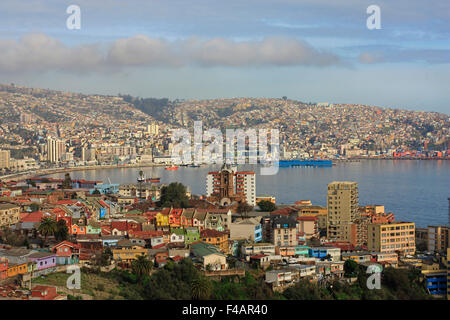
(350, 268)
(303, 290)
(96, 192)
(244, 208)
(201, 288)
(62, 231)
(174, 195)
(46, 228)
(106, 256)
(141, 266)
(267, 206)
(67, 183)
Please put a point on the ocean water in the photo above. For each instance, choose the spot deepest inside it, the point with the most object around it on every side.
(414, 190)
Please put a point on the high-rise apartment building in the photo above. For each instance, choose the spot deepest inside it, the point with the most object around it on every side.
(5, 156)
(228, 185)
(153, 128)
(55, 148)
(392, 237)
(342, 204)
(438, 239)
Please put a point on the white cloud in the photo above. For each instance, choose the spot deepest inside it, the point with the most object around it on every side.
(39, 52)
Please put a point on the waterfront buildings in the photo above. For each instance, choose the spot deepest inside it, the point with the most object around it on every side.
(143, 190)
(5, 156)
(55, 149)
(342, 204)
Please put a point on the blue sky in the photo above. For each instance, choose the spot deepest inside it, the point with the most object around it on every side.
(310, 50)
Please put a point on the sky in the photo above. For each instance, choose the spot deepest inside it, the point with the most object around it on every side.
(308, 50)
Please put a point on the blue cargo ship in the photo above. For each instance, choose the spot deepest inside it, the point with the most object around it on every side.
(306, 163)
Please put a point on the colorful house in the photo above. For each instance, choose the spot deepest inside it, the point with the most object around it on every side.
(128, 254)
(199, 218)
(175, 218)
(162, 218)
(43, 293)
(93, 227)
(177, 236)
(15, 269)
(192, 234)
(187, 217)
(67, 253)
(78, 229)
(121, 228)
(43, 260)
(216, 238)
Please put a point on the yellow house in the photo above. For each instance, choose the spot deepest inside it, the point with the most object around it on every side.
(128, 254)
(16, 269)
(162, 219)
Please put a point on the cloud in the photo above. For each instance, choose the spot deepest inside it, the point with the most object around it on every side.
(39, 52)
(141, 50)
(400, 55)
(278, 51)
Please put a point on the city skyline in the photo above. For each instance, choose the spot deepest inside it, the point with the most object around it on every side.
(308, 51)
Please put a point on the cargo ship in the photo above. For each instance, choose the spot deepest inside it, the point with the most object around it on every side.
(305, 163)
(153, 180)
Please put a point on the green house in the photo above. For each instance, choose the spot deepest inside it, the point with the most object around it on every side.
(192, 234)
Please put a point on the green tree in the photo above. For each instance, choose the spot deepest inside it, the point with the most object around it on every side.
(141, 266)
(62, 231)
(47, 228)
(201, 288)
(106, 256)
(267, 206)
(174, 195)
(67, 183)
(244, 208)
(350, 268)
(96, 192)
(303, 290)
